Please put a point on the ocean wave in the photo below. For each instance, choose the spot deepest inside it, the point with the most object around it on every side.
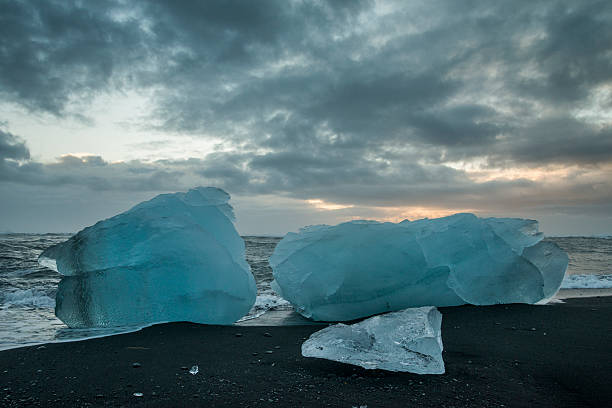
(28, 297)
(587, 282)
(48, 263)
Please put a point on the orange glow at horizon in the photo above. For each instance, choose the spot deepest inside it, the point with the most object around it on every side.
(546, 180)
(323, 205)
(388, 214)
(398, 214)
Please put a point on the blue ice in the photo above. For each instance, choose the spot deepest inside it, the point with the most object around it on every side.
(361, 268)
(176, 257)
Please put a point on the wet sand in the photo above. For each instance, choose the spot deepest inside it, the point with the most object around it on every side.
(508, 355)
(580, 293)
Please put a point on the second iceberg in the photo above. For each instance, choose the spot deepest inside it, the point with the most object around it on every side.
(362, 268)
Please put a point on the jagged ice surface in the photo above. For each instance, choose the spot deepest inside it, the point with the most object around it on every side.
(173, 258)
(361, 268)
(408, 340)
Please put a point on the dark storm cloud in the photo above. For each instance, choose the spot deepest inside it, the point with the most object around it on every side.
(575, 56)
(337, 100)
(14, 159)
(478, 80)
(53, 52)
(559, 140)
(11, 147)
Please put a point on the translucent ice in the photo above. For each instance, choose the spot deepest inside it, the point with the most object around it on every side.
(362, 268)
(408, 340)
(176, 257)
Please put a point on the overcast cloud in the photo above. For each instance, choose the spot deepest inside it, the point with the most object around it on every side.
(493, 107)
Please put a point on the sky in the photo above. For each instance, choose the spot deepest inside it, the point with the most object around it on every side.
(307, 112)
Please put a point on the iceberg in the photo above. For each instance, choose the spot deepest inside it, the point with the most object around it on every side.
(361, 268)
(408, 340)
(176, 257)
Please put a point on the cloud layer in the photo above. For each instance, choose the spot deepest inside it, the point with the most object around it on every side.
(494, 107)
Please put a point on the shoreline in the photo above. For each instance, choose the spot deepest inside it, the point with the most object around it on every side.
(512, 355)
(291, 318)
(577, 293)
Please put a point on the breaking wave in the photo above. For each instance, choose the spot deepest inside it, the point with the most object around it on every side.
(587, 282)
(28, 298)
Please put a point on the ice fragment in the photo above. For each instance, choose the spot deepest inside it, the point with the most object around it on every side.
(408, 340)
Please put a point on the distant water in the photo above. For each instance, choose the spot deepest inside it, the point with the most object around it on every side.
(590, 262)
(27, 290)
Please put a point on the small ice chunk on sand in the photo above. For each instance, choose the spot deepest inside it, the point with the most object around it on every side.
(409, 340)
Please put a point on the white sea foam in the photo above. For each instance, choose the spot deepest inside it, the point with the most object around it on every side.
(263, 303)
(28, 297)
(587, 282)
(269, 301)
(48, 263)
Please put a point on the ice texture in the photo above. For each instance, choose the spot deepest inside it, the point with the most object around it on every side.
(408, 340)
(361, 268)
(176, 257)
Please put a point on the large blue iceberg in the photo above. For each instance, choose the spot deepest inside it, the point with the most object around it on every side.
(361, 268)
(176, 257)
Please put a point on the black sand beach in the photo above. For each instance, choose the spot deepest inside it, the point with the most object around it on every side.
(508, 355)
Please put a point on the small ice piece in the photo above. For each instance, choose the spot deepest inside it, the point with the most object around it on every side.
(409, 340)
(362, 268)
(138, 394)
(194, 370)
(176, 257)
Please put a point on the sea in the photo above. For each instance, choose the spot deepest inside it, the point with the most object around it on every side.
(27, 290)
